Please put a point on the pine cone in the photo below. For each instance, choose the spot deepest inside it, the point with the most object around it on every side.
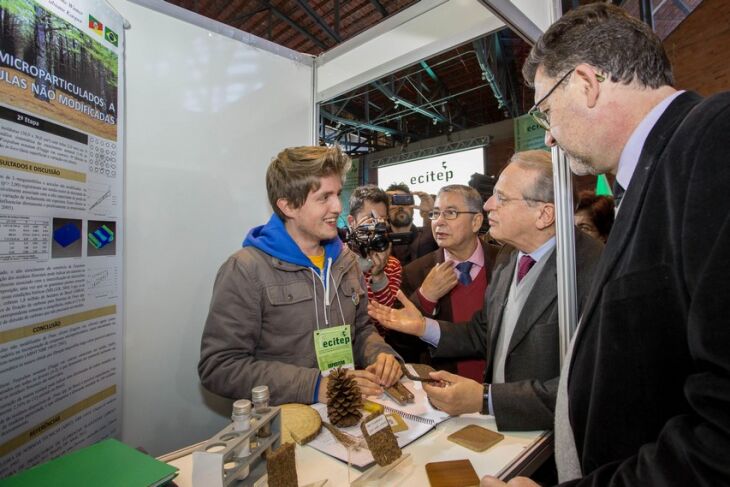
(344, 400)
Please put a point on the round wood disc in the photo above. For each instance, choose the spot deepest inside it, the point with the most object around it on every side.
(299, 423)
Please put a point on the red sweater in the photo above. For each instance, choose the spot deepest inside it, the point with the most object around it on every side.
(465, 301)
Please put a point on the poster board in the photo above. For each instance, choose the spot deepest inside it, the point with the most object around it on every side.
(61, 228)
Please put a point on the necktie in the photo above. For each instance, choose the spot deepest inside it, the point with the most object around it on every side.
(526, 263)
(618, 192)
(464, 269)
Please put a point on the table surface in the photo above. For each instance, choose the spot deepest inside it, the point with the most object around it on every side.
(313, 465)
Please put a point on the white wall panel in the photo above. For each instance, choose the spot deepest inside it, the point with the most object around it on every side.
(205, 115)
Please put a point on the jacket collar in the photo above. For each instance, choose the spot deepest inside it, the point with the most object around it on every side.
(633, 200)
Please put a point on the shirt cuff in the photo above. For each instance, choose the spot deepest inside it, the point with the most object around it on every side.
(489, 403)
(315, 399)
(432, 334)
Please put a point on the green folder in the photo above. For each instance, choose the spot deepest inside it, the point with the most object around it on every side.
(108, 463)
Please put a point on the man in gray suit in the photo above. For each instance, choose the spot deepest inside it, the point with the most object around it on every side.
(517, 329)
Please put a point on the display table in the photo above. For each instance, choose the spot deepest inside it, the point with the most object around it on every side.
(520, 453)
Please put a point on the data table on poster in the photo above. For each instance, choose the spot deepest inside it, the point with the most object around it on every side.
(24, 238)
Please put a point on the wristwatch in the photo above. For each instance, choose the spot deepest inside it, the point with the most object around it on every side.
(485, 399)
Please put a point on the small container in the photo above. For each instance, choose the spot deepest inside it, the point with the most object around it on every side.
(260, 398)
(242, 422)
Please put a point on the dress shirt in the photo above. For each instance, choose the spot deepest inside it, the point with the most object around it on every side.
(477, 260)
(632, 150)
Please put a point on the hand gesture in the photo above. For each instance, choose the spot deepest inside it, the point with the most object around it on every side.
(426, 202)
(407, 320)
(379, 259)
(459, 396)
(439, 281)
(386, 369)
(367, 381)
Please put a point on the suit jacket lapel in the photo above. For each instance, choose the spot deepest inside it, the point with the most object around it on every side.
(500, 289)
(633, 200)
(543, 293)
(444, 303)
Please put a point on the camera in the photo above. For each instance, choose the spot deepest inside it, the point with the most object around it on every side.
(401, 199)
(368, 237)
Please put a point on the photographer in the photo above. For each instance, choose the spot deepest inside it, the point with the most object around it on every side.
(409, 241)
(369, 240)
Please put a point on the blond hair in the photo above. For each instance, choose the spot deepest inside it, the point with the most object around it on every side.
(296, 171)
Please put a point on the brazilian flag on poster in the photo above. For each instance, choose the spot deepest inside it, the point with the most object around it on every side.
(111, 37)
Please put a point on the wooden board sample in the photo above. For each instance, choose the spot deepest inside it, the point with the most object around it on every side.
(454, 473)
(475, 437)
(299, 423)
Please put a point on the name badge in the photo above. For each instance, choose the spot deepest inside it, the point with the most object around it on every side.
(333, 347)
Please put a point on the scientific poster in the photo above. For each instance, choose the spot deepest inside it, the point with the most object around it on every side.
(61, 227)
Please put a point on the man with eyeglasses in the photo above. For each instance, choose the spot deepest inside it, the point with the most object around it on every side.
(644, 397)
(449, 283)
(517, 327)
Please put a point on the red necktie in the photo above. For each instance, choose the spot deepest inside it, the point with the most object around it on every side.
(526, 263)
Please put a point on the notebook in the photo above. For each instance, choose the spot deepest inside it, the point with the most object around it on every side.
(419, 416)
(109, 463)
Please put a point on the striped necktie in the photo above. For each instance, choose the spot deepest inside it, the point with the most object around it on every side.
(464, 269)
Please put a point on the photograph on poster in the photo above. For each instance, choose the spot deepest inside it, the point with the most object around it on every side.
(56, 70)
(101, 238)
(66, 238)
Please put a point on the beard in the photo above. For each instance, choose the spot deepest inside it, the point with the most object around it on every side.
(402, 218)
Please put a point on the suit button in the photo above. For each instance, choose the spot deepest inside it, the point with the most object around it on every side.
(289, 297)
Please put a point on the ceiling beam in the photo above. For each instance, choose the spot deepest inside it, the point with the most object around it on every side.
(234, 8)
(360, 125)
(379, 7)
(282, 16)
(244, 17)
(435, 116)
(319, 20)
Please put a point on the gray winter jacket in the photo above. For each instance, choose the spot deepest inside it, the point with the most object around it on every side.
(261, 321)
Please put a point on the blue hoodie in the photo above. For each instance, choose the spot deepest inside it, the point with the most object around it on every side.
(273, 239)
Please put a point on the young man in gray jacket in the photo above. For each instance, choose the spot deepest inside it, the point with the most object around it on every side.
(291, 304)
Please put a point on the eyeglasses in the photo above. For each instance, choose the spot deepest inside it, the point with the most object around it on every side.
(448, 214)
(503, 200)
(542, 118)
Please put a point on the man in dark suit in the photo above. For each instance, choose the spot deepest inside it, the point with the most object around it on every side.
(644, 398)
(517, 329)
(449, 283)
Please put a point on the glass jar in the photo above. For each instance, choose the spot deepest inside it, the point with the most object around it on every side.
(242, 422)
(260, 398)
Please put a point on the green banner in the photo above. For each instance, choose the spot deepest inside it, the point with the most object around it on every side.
(528, 134)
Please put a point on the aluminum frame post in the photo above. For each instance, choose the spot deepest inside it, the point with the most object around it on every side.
(565, 248)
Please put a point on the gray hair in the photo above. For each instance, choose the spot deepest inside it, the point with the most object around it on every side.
(541, 162)
(607, 38)
(471, 196)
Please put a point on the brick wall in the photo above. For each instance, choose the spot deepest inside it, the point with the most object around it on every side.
(699, 49)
